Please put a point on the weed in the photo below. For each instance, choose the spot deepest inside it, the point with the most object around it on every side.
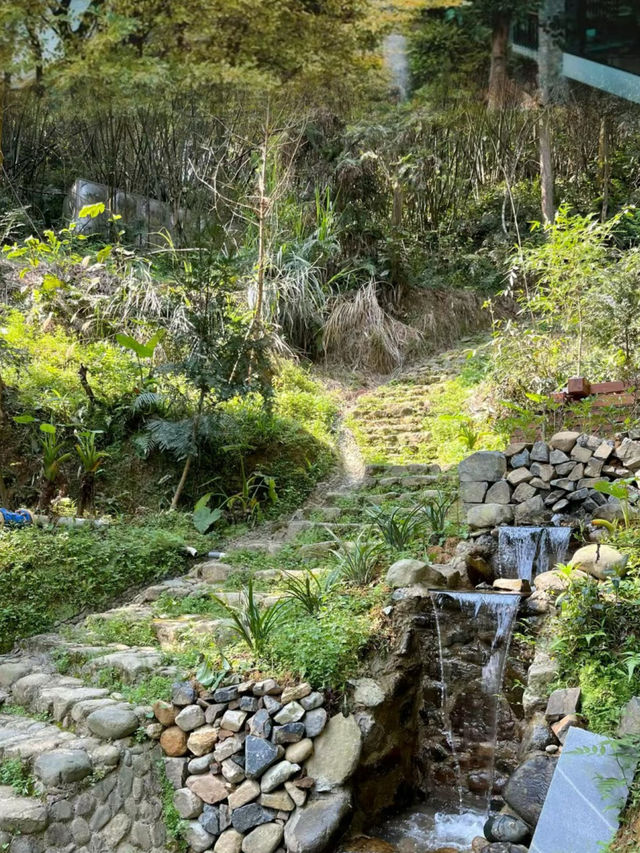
(16, 773)
(398, 528)
(172, 821)
(309, 591)
(118, 629)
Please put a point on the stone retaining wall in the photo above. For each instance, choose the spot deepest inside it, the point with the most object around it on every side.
(257, 766)
(90, 796)
(546, 482)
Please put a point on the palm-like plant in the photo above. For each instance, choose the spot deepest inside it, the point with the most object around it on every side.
(90, 464)
(53, 457)
(358, 561)
(254, 624)
(399, 527)
(309, 590)
(436, 510)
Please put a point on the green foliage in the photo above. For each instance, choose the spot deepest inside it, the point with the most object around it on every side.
(446, 53)
(102, 629)
(16, 773)
(436, 511)
(399, 528)
(48, 575)
(203, 517)
(328, 646)
(357, 562)
(309, 591)
(171, 819)
(596, 640)
(252, 623)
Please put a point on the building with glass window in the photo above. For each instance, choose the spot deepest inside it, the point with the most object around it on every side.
(600, 44)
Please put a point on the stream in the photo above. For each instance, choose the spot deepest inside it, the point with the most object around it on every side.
(474, 631)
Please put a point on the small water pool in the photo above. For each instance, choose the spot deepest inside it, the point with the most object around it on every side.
(432, 828)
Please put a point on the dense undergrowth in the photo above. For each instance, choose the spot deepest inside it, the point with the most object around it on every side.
(597, 641)
(52, 575)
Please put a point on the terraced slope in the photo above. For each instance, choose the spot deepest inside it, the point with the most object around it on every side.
(419, 416)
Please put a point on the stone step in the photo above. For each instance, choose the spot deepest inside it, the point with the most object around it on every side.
(171, 632)
(414, 481)
(409, 470)
(300, 525)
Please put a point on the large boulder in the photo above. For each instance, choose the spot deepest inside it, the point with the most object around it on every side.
(489, 515)
(336, 753)
(531, 511)
(407, 573)
(542, 672)
(314, 826)
(600, 561)
(527, 787)
(630, 719)
(60, 766)
(483, 466)
(564, 441)
(112, 722)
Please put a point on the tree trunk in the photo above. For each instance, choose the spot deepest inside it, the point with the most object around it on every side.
(547, 182)
(498, 76)
(552, 88)
(181, 484)
(263, 210)
(604, 166)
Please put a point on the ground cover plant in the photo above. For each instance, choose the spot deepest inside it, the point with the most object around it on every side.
(51, 575)
(597, 643)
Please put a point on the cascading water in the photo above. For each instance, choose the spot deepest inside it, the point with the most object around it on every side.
(525, 552)
(557, 544)
(466, 745)
(395, 52)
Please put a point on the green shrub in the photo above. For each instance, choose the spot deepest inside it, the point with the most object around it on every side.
(51, 574)
(119, 630)
(596, 639)
(326, 648)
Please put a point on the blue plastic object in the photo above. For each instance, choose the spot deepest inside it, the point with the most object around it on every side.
(15, 519)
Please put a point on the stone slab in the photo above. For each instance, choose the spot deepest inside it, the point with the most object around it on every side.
(580, 813)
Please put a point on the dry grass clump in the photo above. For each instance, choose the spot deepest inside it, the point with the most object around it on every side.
(359, 333)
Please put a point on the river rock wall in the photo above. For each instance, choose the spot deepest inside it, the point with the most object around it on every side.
(257, 766)
(547, 482)
(90, 796)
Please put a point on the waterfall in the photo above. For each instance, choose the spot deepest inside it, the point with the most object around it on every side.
(493, 614)
(446, 720)
(394, 47)
(556, 541)
(525, 552)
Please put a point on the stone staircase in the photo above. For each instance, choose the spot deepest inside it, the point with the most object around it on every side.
(391, 422)
(74, 734)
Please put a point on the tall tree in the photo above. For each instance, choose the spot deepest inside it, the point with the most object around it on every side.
(552, 90)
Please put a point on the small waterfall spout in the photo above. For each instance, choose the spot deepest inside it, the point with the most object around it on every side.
(471, 686)
(525, 552)
(557, 541)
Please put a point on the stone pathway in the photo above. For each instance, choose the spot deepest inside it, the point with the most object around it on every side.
(73, 736)
(390, 421)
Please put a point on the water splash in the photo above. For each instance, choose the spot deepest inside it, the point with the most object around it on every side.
(525, 552)
(429, 827)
